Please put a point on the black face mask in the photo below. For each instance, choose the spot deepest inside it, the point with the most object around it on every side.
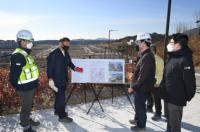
(66, 48)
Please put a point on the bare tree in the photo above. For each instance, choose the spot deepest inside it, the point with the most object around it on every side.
(197, 21)
(183, 27)
(197, 18)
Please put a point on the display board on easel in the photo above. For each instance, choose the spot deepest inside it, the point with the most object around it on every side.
(108, 71)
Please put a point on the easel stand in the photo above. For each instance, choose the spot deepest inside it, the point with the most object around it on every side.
(97, 94)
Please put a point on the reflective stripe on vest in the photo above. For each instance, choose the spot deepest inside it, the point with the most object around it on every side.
(30, 71)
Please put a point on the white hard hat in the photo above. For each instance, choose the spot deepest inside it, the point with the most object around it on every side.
(25, 35)
(143, 36)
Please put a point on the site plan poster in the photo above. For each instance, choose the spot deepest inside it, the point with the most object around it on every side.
(99, 71)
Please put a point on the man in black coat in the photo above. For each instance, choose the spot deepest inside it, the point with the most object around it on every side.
(58, 62)
(143, 81)
(178, 84)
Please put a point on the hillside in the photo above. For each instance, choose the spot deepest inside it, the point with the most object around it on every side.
(12, 44)
(194, 44)
(158, 39)
(193, 32)
(121, 46)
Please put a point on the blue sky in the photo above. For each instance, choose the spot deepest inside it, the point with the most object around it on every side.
(90, 19)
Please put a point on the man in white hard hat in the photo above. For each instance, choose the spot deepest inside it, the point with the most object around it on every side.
(24, 75)
(143, 81)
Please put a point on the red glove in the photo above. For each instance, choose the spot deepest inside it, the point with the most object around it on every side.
(79, 69)
(131, 90)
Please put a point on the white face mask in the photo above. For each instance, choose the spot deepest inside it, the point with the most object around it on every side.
(170, 47)
(29, 45)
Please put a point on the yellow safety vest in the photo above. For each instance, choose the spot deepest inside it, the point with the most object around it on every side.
(30, 71)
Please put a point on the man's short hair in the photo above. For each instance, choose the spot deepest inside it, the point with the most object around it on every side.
(64, 39)
(180, 38)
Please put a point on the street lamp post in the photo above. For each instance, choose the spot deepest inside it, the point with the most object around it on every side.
(109, 37)
(167, 29)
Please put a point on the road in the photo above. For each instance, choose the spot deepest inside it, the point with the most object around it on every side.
(45, 53)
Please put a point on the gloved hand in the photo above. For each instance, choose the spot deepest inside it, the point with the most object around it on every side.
(52, 85)
(79, 69)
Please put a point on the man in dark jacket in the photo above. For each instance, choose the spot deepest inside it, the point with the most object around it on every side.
(178, 84)
(58, 62)
(24, 76)
(143, 81)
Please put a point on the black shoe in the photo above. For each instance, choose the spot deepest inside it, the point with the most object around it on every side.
(156, 117)
(34, 123)
(56, 113)
(133, 122)
(150, 110)
(29, 130)
(138, 129)
(66, 119)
